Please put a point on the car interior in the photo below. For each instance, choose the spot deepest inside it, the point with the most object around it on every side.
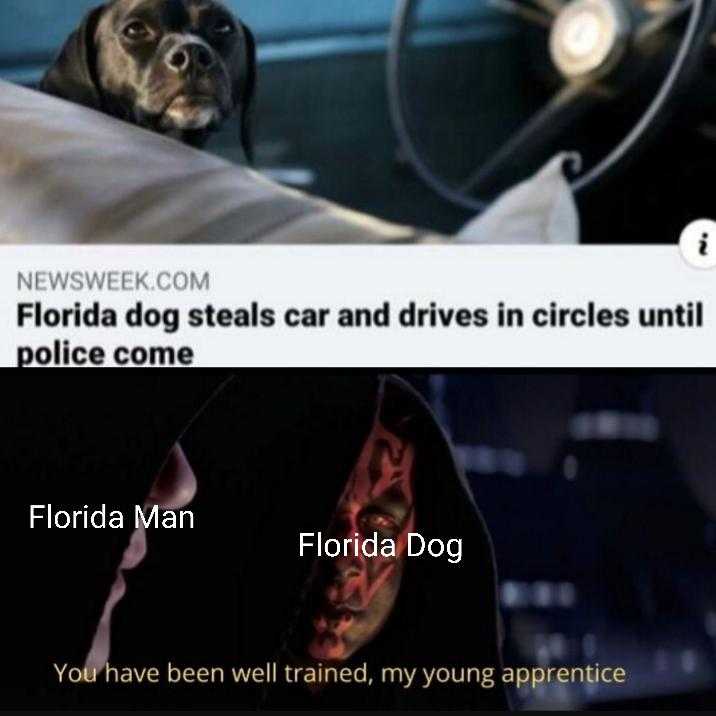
(417, 116)
(422, 112)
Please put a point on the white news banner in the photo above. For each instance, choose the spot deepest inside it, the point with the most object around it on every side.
(426, 306)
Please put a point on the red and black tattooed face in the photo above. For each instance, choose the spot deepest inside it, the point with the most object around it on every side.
(356, 594)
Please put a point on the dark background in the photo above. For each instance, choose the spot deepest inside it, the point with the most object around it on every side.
(600, 494)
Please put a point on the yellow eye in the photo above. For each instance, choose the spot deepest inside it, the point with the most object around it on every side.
(376, 522)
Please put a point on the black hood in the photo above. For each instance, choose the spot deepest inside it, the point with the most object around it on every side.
(280, 450)
(71, 442)
(272, 453)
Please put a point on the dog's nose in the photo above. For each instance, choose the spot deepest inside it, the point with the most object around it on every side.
(188, 57)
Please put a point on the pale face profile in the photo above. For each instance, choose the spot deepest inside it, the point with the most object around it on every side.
(173, 489)
(355, 595)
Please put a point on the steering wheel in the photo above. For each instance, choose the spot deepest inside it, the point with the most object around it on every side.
(592, 45)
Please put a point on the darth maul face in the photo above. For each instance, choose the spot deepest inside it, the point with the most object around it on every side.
(352, 597)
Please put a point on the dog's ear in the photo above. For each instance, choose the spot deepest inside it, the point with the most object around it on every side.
(246, 96)
(73, 76)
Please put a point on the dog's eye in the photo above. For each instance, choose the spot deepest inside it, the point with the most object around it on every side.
(224, 28)
(136, 31)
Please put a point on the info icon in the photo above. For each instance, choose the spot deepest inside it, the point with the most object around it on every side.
(698, 244)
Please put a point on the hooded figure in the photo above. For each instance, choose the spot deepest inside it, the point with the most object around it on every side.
(345, 456)
(70, 442)
(275, 455)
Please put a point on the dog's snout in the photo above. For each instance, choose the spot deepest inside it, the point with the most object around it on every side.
(190, 57)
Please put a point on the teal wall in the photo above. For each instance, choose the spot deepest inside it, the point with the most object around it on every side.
(30, 30)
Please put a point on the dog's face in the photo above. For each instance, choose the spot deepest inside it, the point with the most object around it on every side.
(174, 66)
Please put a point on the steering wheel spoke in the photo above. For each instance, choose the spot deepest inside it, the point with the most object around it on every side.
(550, 122)
(660, 21)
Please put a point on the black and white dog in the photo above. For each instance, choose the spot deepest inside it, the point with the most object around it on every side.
(178, 67)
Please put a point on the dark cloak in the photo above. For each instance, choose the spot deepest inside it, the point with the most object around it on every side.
(70, 442)
(283, 448)
(272, 453)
